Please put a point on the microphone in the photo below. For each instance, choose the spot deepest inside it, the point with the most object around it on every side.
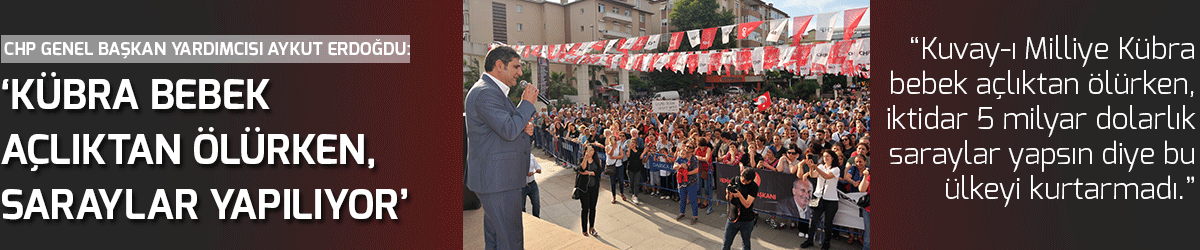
(540, 97)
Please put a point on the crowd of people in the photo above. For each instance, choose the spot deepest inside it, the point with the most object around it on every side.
(826, 142)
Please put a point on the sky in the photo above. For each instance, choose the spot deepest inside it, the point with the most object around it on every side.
(795, 8)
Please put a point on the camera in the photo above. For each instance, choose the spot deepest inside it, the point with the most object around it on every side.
(735, 183)
(811, 157)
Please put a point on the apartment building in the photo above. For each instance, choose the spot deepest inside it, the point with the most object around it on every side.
(536, 22)
(743, 11)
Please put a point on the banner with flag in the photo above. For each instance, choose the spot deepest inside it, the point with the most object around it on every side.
(777, 27)
(837, 55)
(770, 57)
(714, 62)
(652, 43)
(693, 38)
(743, 60)
(725, 32)
(693, 62)
(744, 29)
(640, 43)
(756, 59)
(785, 57)
(802, 55)
(675, 39)
(680, 63)
(860, 53)
(612, 44)
(763, 101)
(850, 21)
(820, 56)
(823, 23)
(706, 39)
(702, 65)
(799, 26)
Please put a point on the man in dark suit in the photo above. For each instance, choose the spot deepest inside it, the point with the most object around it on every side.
(498, 144)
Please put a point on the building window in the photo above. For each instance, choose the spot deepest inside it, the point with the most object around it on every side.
(626, 12)
(520, 27)
(499, 22)
(580, 28)
(518, 8)
(642, 18)
(601, 8)
(642, 33)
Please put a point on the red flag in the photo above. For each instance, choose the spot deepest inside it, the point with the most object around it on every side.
(853, 16)
(693, 61)
(799, 26)
(653, 61)
(802, 55)
(763, 101)
(641, 42)
(598, 46)
(743, 60)
(619, 43)
(837, 54)
(744, 29)
(675, 39)
(714, 62)
(706, 37)
(849, 69)
(575, 47)
(671, 63)
(770, 57)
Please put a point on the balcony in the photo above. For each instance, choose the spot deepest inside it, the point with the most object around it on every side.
(609, 34)
(619, 17)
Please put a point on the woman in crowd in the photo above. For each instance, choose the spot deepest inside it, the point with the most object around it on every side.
(827, 175)
(589, 180)
(852, 179)
(704, 154)
(615, 151)
(768, 161)
(687, 168)
(865, 187)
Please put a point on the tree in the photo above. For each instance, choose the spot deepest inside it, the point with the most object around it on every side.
(690, 15)
(472, 74)
(559, 84)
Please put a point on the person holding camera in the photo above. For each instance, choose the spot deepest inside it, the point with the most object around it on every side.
(589, 181)
(827, 175)
(742, 191)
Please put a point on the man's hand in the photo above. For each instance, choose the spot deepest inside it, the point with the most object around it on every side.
(529, 128)
(529, 174)
(530, 94)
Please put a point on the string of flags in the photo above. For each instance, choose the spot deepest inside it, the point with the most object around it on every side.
(845, 57)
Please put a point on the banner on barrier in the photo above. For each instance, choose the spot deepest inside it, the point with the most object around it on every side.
(784, 194)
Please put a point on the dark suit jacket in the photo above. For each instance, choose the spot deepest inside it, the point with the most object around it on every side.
(497, 146)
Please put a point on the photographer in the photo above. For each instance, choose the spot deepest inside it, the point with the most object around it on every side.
(741, 194)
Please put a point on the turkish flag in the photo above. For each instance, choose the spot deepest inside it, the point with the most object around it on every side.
(744, 29)
(675, 39)
(763, 101)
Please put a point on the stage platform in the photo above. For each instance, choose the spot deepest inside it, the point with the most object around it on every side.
(539, 234)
